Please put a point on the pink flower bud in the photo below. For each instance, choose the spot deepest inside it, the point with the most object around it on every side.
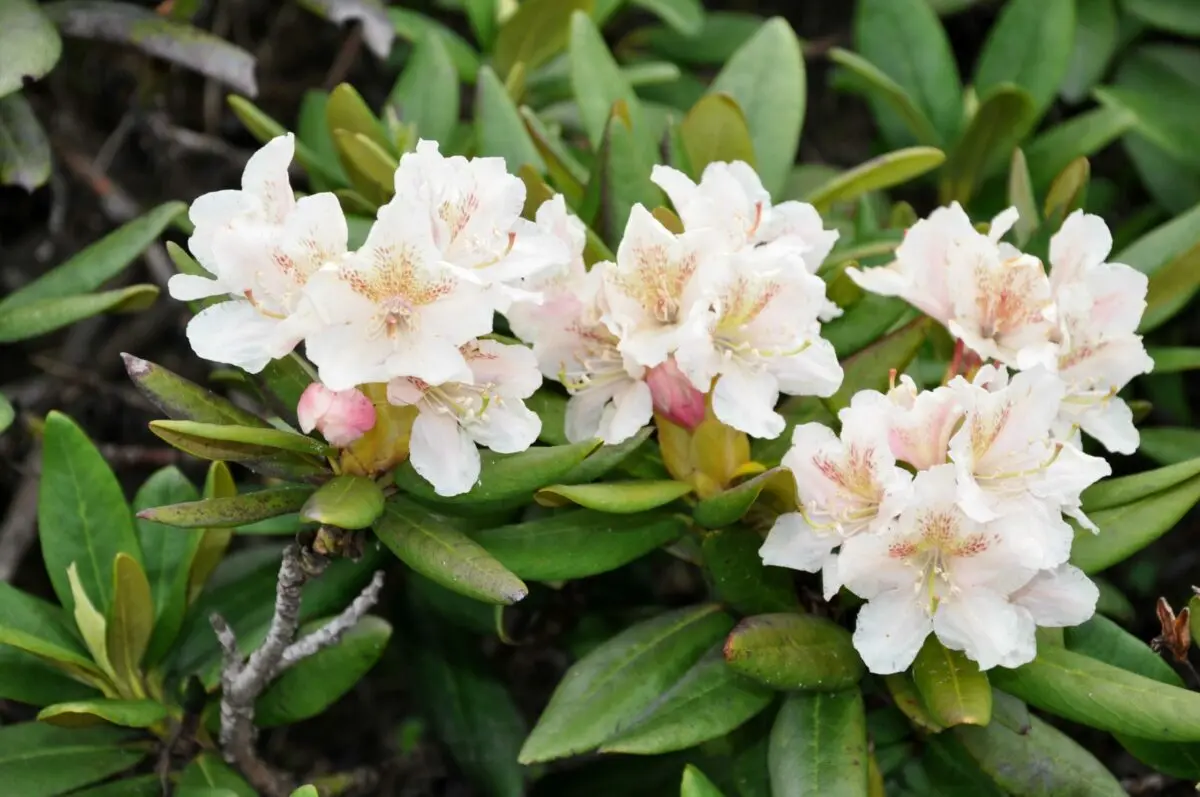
(675, 398)
(342, 416)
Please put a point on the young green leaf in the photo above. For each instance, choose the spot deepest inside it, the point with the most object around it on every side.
(264, 128)
(1041, 30)
(951, 686)
(431, 544)
(91, 623)
(218, 484)
(883, 171)
(579, 543)
(696, 784)
(739, 576)
(995, 129)
(624, 498)
(499, 129)
(40, 760)
(1067, 192)
(347, 502)
(130, 622)
(537, 32)
(24, 147)
(766, 78)
(311, 686)
(40, 316)
(30, 43)
(371, 168)
(794, 651)
(614, 683)
(709, 701)
(1021, 196)
(819, 746)
(907, 42)
(82, 514)
(127, 713)
(347, 110)
(715, 130)
(230, 511)
(505, 476)
(7, 413)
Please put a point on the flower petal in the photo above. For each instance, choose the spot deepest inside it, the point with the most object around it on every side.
(443, 454)
(1059, 598)
(985, 626)
(746, 399)
(793, 543)
(890, 631)
(234, 333)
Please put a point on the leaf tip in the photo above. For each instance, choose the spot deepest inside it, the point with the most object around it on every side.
(136, 367)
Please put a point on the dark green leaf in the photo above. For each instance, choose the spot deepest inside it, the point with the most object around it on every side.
(819, 746)
(606, 459)
(1176, 16)
(311, 686)
(413, 26)
(430, 544)
(208, 770)
(883, 171)
(138, 786)
(707, 702)
(722, 33)
(82, 514)
(765, 76)
(888, 95)
(499, 129)
(794, 651)
(505, 476)
(223, 513)
(24, 148)
(1029, 47)
(535, 33)
(618, 680)
(739, 576)
(1168, 445)
(127, 713)
(1111, 493)
(347, 502)
(1164, 124)
(44, 630)
(864, 322)
(1079, 137)
(951, 686)
(25, 678)
(1097, 37)
(40, 316)
(623, 498)
(869, 368)
(286, 378)
(31, 44)
(38, 760)
(1002, 119)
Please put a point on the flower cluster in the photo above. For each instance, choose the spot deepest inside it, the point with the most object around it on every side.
(729, 304)
(1080, 320)
(946, 509)
(731, 300)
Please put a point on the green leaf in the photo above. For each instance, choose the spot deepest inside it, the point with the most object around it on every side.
(620, 179)
(721, 34)
(235, 443)
(598, 83)
(1164, 244)
(1080, 689)
(286, 378)
(819, 746)
(1079, 137)
(538, 31)
(483, 18)
(264, 128)
(730, 506)
(24, 148)
(709, 701)
(1171, 288)
(30, 43)
(1042, 760)
(615, 682)
(1168, 445)
(91, 623)
(578, 543)
(168, 555)
(413, 26)
(138, 786)
(127, 713)
(40, 316)
(715, 130)
(696, 784)
(347, 110)
(230, 511)
(906, 41)
(606, 459)
(499, 129)
(868, 369)
(1066, 192)
(765, 76)
(371, 168)
(430, 544)
(1021, 196)
(1097, 36)
(1176, 16)
(562, 169)
(39, 760)
(25, 678)
(218, 483)
(684, 16)
(505, 476)
(1126, 528)
(306, 791)
(1163, 124)
(7, 413)
(794, 651)
(739, 576)
(1029, 47)
(1002, 119)
(908, 701)
(951, 686)
(130, 621)
(1173, 359)
(624, 498)
(347, 502)
(312, 685)
(312, 131)
(156, 35)
(82, 514)
(426, 93)
(864, 322)
(888, 95)
(207, 769)
(32, 625)
(879, 173)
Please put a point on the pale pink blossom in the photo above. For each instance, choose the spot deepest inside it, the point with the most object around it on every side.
(341, 416)
(674, 396)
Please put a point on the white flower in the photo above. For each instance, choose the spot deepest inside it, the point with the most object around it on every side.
(730, 200)
(1009, 463)
(1058, 598)
(555, 297)
(396, 308)
(610, 399)
(761, 336)
(657, 278)
(454, 416)
(938, 570)
(1100, 306)
(988, 294)
(474, 210)
(262, 246)
(846, 487)
(921, 423)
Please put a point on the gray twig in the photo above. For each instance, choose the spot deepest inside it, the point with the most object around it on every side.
(244, 679)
